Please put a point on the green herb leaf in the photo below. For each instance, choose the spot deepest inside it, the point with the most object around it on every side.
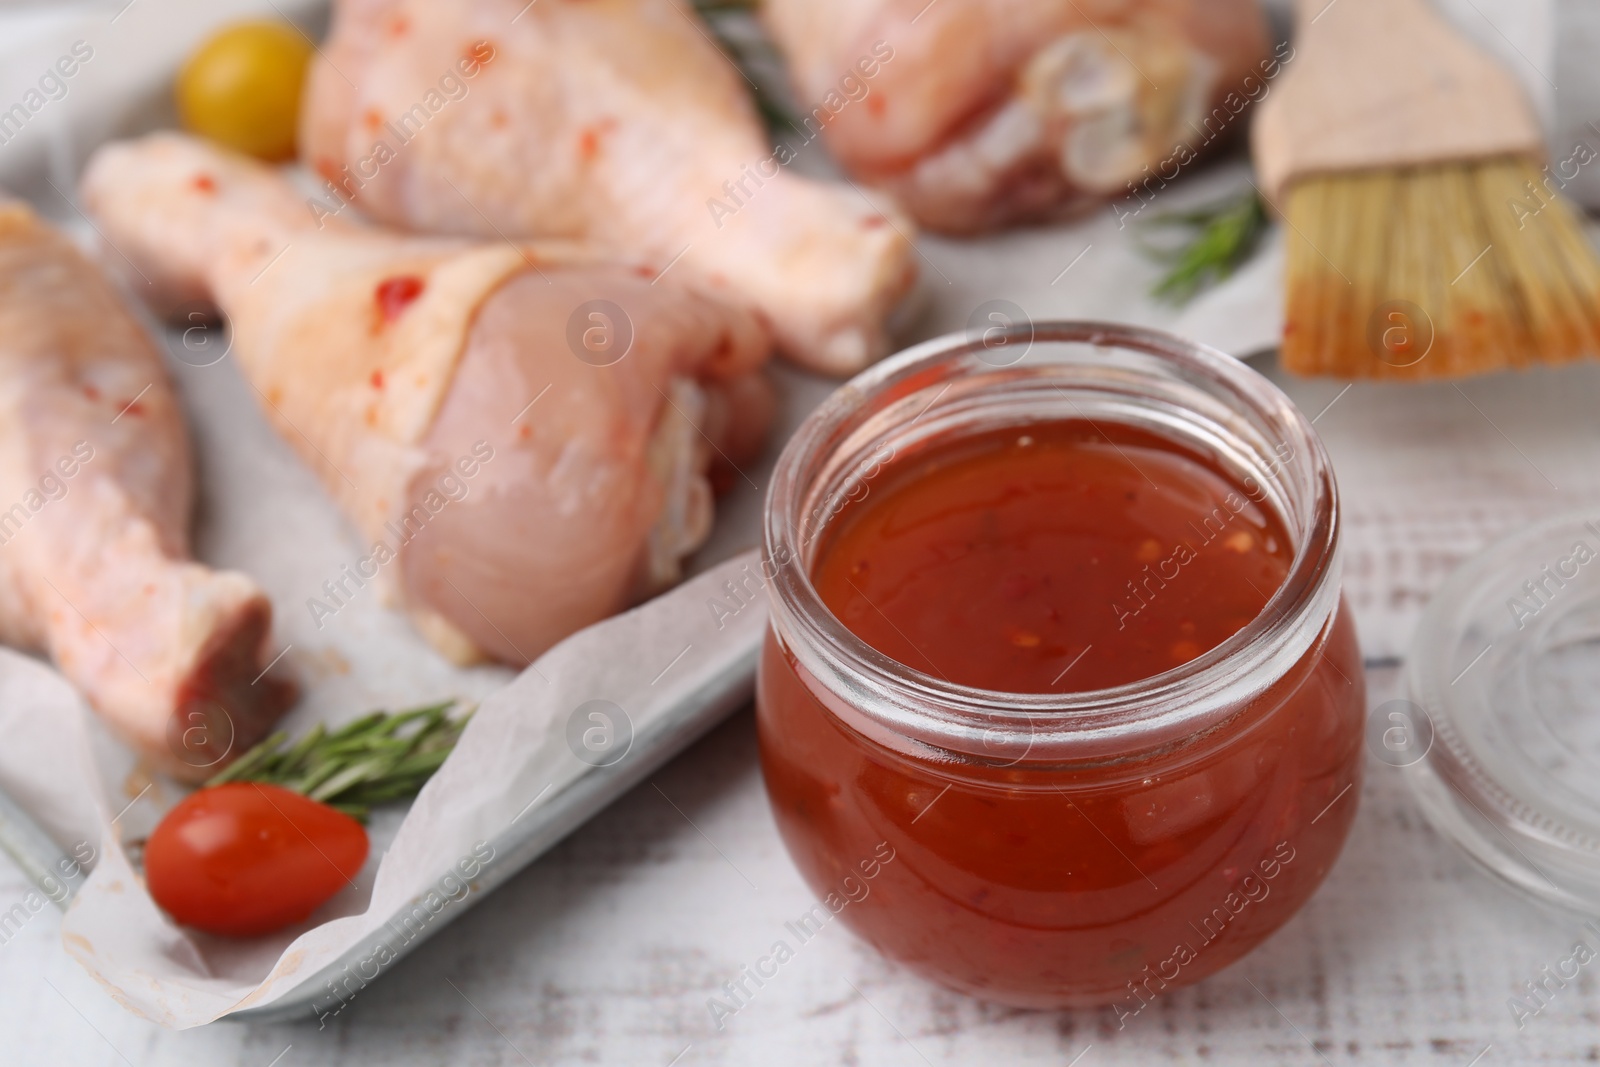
(748, 55)
(708, 8)
(378, 758)
(1214, 241)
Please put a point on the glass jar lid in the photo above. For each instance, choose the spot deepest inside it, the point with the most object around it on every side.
(1501, 736)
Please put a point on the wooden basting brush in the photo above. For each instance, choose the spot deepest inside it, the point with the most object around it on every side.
(1425, 237)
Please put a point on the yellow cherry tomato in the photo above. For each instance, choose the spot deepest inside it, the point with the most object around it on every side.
(242, 88)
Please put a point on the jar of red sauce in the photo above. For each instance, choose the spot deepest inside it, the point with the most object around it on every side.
(1060, 704)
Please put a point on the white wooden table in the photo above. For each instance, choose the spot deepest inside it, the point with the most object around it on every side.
(607, 950)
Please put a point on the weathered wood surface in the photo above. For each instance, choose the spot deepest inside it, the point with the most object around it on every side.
(608, 950)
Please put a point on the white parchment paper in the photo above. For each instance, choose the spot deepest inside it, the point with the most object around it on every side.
(521, 750)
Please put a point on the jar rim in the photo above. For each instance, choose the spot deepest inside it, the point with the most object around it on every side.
(898, 704)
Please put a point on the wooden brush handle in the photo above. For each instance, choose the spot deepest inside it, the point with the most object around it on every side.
(1385, 83)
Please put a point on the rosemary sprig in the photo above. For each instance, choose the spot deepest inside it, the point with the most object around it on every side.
(375, 759)
(1217, 240)
(748, 56)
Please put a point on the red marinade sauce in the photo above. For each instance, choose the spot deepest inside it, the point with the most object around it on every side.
(394, 295)
(1059, 557)
(1052, 558)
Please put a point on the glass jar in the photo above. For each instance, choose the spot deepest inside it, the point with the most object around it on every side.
(1047, 850)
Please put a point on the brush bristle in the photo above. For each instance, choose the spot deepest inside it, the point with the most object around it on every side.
(1436, 272)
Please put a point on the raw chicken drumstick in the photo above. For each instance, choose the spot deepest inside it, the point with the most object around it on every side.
(522, 460)
(610, 121)
(995, 111)
(95, 495)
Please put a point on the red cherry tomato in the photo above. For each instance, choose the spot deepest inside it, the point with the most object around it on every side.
(244, 858)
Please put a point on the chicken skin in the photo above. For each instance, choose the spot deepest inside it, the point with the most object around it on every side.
(990, 112)
(614, 122)
(95, 499)
(524, 435)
